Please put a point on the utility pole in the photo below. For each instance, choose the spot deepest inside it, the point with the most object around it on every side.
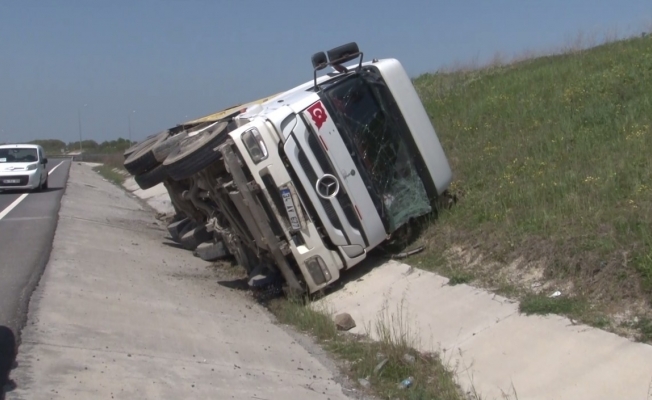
(81, 149)
(129, 117)
(80, 133)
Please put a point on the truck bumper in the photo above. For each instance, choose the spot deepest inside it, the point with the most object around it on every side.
(318, 265)
(266, 234)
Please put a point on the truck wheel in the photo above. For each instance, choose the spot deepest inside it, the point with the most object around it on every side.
(246, 258)
(151, 178)
(187, 228)
(162, 149)
(176, 228)
(194, 237)
(142, 159)
(196, 151)
(211, 251)
(140, 145)
(133, 148)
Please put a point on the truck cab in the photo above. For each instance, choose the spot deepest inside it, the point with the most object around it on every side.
(328, 170)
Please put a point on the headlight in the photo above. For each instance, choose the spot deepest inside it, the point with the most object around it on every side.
(255, 145)
(32, 167)
(318, 270)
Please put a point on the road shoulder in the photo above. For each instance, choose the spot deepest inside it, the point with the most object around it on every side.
(119, 313)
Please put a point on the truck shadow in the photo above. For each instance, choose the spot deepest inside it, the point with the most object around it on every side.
(174, 244)
(7, 359)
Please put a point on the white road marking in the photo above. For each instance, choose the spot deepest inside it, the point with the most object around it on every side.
(55, 167)
(26, 219)
(12, 205)
(22, 197)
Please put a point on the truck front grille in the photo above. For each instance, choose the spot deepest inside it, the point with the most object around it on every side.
(342, 197)
(328, 207)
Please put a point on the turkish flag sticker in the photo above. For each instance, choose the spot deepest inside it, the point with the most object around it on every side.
(318, 114)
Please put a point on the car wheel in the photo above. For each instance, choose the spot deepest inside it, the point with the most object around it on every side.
(151, 178)
(196, 151)
(45, 184)
(142, 159)
(40, 184)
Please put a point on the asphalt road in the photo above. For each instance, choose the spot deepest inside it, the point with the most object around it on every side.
(27, 224)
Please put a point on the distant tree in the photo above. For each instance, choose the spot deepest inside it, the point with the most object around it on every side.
(51, 145)
(106, 147)
(87, 145)
(55, 146)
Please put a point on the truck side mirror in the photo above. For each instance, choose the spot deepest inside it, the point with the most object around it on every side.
(344, 53)
(319, 60)
(45, 160)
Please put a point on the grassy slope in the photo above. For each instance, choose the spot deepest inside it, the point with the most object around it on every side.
(110, 162)
(552, 162)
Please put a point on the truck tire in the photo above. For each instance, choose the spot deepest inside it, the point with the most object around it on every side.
(139, 145)
(196, 151)
(176, 228)
(130, 150)
(194, 237)
(211, 251)
(246, 258)
(189, 227)
(151, 178)
(162, 149)
(143, 158)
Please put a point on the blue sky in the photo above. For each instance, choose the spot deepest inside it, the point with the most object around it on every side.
(166, 61)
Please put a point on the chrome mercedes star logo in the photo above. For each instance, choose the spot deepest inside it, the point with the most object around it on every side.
(327, 186)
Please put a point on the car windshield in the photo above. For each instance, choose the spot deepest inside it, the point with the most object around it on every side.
(361, 107)
(18, 155)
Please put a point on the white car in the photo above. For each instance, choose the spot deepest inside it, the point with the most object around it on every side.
(23, 166)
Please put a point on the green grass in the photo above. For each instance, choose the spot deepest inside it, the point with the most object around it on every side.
(360, 356)
(644, 327)
(458, 278)
(109, 173)
(543, 305)
(110, 162)
(551, 162)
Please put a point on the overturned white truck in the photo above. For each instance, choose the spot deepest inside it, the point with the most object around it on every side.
(304, 183)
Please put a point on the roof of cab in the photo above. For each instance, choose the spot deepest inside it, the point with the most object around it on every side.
(14, 146)
(295, 93)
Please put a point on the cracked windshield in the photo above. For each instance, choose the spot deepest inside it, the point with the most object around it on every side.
(381, 151)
